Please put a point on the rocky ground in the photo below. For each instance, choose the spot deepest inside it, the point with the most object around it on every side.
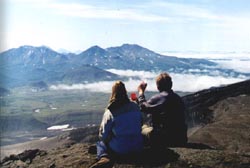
(224, 142)
(230, 129)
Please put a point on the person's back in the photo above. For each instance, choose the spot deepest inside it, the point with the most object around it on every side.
(169, 120)
(120, 129)
(126, 129)
(167, 110)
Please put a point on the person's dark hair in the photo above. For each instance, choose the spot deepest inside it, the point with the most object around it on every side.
(119, 95)
(164, 82)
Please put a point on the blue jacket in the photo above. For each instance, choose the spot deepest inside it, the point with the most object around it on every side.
(121, 129)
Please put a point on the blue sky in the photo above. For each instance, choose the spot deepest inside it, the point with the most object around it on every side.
(160, 25)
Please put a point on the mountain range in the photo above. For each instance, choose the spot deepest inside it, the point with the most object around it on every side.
(28, 64)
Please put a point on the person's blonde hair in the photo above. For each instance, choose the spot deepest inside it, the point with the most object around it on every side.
(119, 92)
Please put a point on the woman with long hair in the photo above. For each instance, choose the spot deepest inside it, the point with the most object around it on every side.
(120, 129)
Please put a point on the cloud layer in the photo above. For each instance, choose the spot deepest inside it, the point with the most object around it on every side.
(182, 82)
(235, 64)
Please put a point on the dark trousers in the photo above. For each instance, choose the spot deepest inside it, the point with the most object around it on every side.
(160, 139)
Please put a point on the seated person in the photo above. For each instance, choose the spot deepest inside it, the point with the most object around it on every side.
(120, 129)
(167, 111)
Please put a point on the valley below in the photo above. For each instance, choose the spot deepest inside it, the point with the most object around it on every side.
(27, 114)
(31, 115)
(218, 120)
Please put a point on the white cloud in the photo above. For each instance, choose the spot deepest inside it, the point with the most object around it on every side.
(181, 82)
(104, 86)
(193, 83)
(130, 73)
(208, 54)
(186, 11)
(235, 64)
(30, 1)
(94, 12)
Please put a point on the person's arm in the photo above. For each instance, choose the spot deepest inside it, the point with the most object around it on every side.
(105, 131)
(153, 104)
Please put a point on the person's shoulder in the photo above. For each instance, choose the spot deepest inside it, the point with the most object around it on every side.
(134, 105)
(159, 95)
(107, 112)
(176, 95)
(168, 95)
(129, 106)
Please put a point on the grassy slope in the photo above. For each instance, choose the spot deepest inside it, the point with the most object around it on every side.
(52, 107)
(24, 110)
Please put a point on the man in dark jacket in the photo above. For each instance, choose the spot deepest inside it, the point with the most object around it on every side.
(167, 110)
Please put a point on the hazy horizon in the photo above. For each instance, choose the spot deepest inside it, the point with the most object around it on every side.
(181, 54)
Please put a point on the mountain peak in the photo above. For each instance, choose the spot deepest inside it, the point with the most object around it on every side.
(25, 47)
(94, 50)
(95, 47)
(126, 45)
(34, 47)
